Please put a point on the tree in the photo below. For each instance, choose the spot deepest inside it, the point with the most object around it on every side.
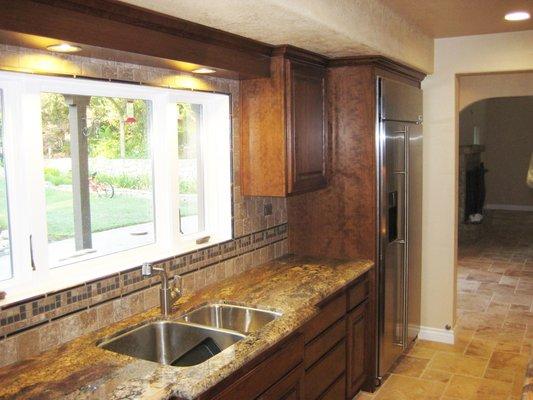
(105, 122)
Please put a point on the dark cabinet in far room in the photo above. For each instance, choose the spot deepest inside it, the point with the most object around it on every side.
(284, 141)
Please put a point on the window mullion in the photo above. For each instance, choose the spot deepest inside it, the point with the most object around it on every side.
(35, 184)
(19, 232)
(165, 176)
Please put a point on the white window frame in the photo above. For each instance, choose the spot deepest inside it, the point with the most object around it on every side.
(25, 179)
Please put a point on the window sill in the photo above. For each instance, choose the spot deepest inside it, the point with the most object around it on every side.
(64, 277)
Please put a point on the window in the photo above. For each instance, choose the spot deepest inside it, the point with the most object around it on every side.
(98, 175)
(107, 176)
(191, 200)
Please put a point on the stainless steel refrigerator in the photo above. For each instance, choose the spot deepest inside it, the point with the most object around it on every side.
(399, 155)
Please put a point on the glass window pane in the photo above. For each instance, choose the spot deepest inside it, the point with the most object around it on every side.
(98, 175)
(6, 270)
(191, 204)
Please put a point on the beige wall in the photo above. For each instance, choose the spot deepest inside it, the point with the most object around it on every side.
(475, 115)
(495, 103)
(485, 86)
(332, 28)
(470, 54)
(506, 128)
(508, 149)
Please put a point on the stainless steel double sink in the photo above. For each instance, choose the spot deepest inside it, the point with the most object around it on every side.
(192, 338)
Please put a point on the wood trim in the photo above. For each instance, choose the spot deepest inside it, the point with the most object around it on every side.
(380, 62)
(131, 29)
(296, 54)
(136, 30)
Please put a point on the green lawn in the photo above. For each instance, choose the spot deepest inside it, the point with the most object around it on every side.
(106, 213)
(119, 211)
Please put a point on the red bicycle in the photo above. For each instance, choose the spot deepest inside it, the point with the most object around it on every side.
(102, 189)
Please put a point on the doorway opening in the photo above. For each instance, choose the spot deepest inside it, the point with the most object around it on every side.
(495, 221)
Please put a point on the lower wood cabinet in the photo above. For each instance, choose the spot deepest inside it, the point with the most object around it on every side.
(270, 372)
(289, 388)
(338, 345)
(357, 367)
(329, 358)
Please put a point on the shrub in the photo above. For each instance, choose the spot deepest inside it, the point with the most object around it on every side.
(188, 187)
(136, 182)
(56, 177)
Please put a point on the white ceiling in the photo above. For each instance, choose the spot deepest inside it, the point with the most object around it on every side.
(332, 28)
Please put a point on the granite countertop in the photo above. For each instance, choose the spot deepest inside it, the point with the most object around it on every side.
(80, 370)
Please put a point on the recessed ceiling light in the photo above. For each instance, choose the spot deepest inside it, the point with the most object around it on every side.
(204, 71)
(64, 48)
(517, 16)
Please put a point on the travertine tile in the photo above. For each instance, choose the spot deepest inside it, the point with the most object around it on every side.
(410, 366)
(49, 336)
(436, 375)
(511, 362)
(462, 387)
(480, 348)
(458, 364)
(422, 352)
(8, 350)
(398, 387)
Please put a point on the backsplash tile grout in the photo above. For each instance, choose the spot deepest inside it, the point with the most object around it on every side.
(58, 304)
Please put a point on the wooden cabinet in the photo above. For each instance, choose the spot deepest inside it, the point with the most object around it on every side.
(357, 368)
(274, 370)
(306, 127)
(338, 344)
(284, 141)
(289, 388)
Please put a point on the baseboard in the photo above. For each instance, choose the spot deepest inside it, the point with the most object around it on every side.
(436, 335)
(508, 207)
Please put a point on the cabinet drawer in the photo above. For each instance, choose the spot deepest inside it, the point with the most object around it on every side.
(324, 342)
(289, 388)
(329, 313)
(270, 371)
(336, 391)
(358, 293)
(325, 371)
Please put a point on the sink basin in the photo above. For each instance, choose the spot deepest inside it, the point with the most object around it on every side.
(172, 343)
(235, 318)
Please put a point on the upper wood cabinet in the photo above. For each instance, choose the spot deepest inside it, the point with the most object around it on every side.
(284, 143)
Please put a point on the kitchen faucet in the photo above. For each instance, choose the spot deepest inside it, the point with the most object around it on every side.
(168, 294)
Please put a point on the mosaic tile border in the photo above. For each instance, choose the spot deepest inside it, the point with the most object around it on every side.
(30, 313)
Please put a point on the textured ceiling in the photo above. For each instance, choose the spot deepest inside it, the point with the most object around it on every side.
(447, 18)
(332, 28)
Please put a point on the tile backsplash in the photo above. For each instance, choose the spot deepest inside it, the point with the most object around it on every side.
(47, 321)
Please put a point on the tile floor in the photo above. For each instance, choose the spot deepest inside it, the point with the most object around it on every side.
(494, 328)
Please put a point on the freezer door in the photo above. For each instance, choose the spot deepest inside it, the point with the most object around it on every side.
(392, 243)
(400, 102)
(414, 230)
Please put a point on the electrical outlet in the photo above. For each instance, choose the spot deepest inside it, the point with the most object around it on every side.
(267, 209)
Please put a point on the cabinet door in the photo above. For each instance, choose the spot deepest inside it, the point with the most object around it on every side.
(357, 367)
(289, 388)
(256, 382)
(306, 128)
